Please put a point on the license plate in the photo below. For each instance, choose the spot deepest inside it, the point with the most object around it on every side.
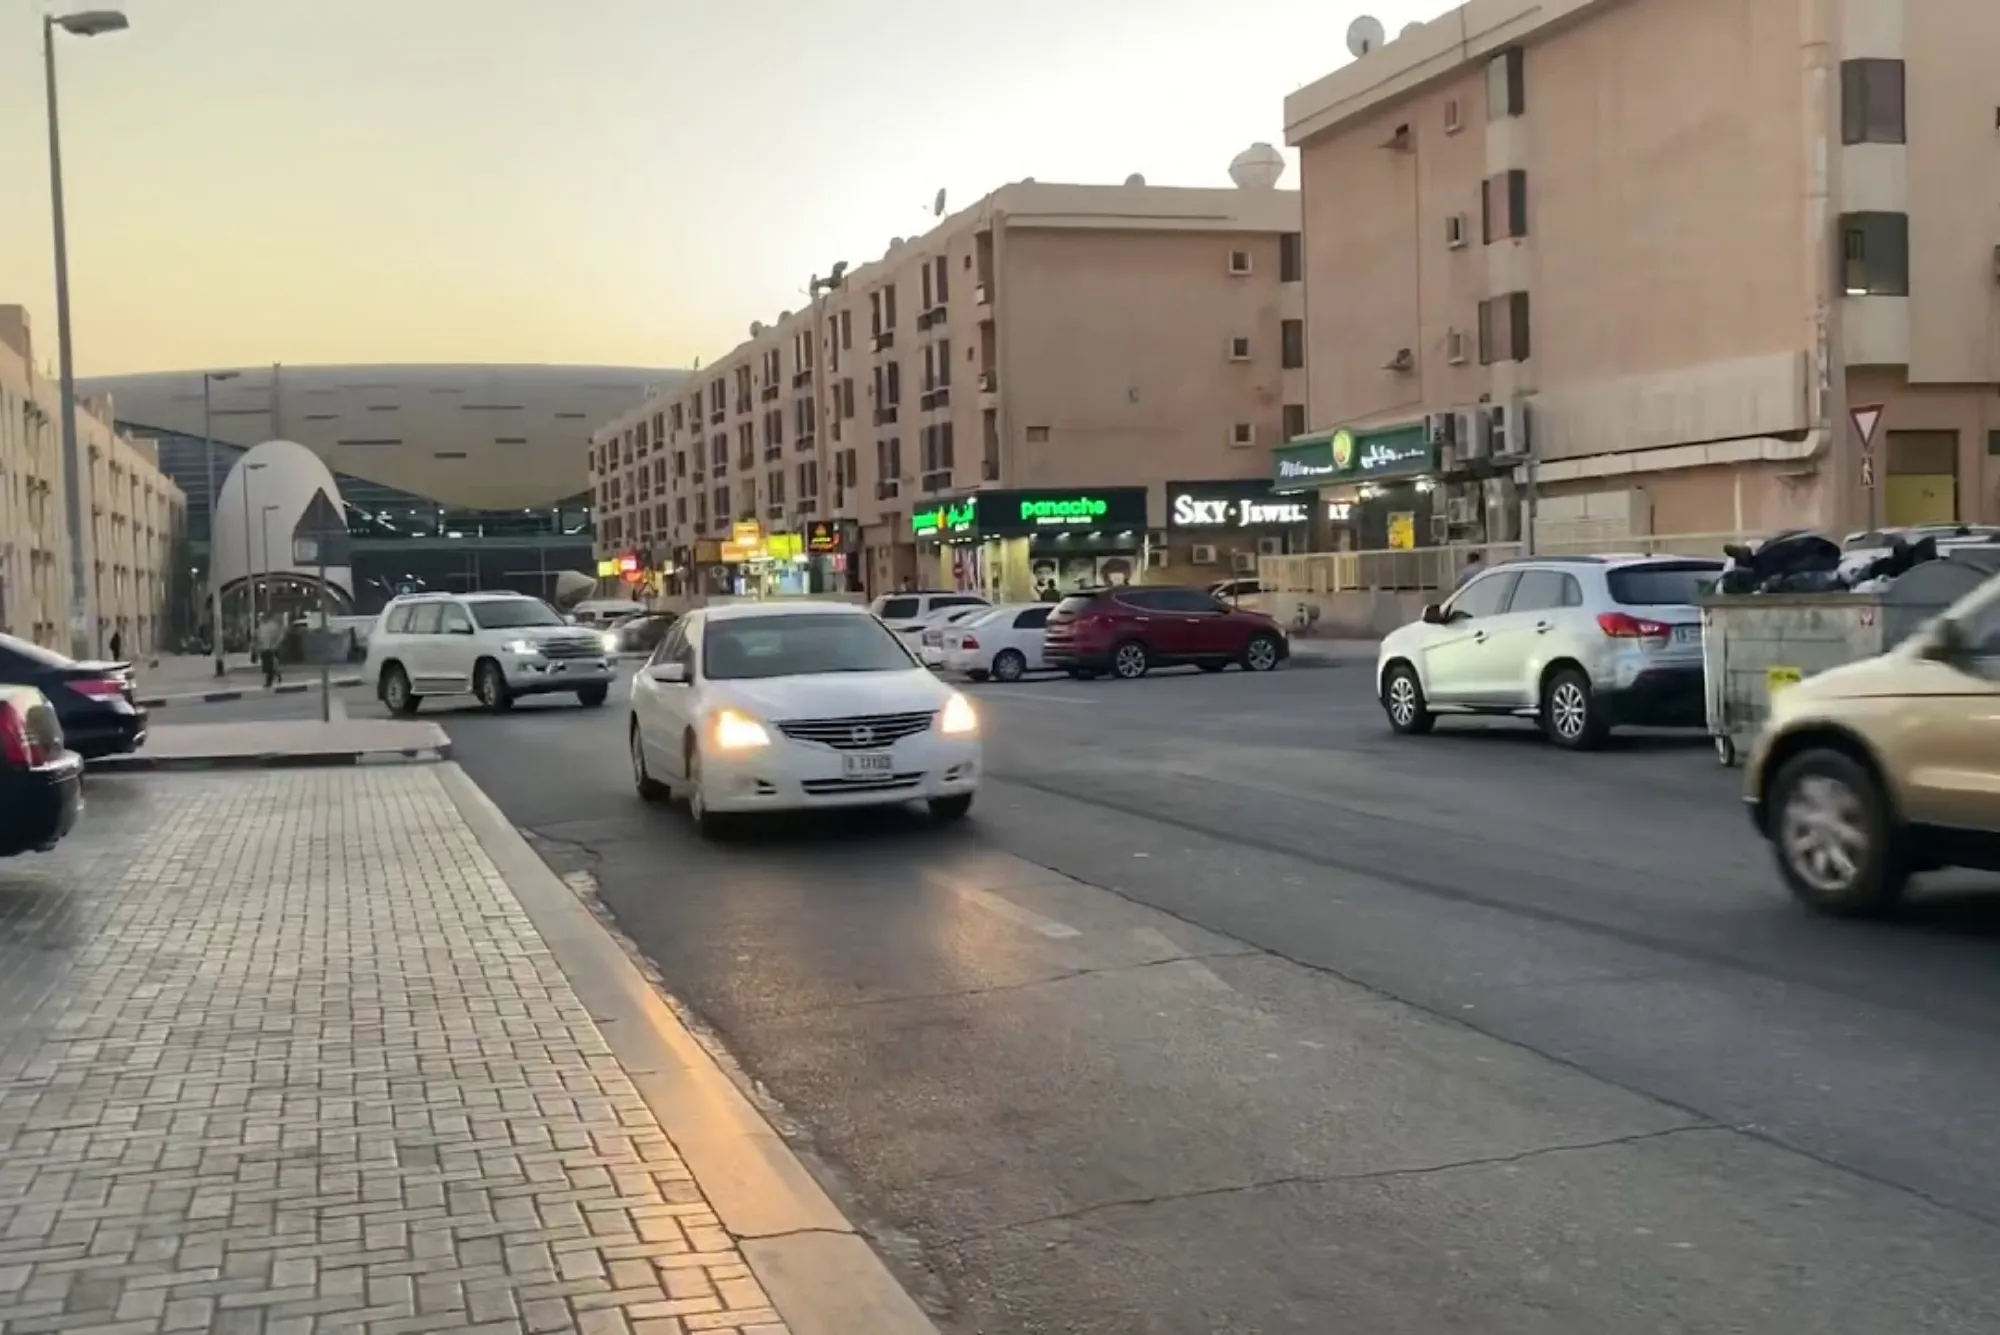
(866, 765)
(1687, 634)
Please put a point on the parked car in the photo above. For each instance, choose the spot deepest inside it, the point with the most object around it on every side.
(639, 634)
(496, 647)
(1873, 772)
(765, 707)
(1004, 643)
(1235, 590)
(41, 779)
(931, 630)
(1128, 631)
(601, 612)
(95, 702)
(904, 612)
(1581, 644)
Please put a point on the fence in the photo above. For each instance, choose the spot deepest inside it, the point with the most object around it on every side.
(1419, 569)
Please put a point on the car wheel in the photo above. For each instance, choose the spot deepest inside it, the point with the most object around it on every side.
(1570, 716)
(944, 810)
(1836, 842)
(650, 788)
(1009, 665)
(711, 824)
(1261, 654)
(590, 697)
(396, 692)
(489, 684)
(1130, 661)
(1403, 701)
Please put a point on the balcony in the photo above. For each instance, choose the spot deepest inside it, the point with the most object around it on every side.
(802, 379)
(886, 415)
(717, 417)
(775, 513)
(883, 341)
(888, 491)
(768, 393)
(935, 399)
(804, 443)
(774, 452)
(939, 480)
(923, 321)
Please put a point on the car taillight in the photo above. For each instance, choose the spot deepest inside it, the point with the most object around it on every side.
(1620, 626)
(99, 688)
(18, 747)
(968, 643)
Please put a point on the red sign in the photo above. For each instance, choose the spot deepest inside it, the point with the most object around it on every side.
(628, 564)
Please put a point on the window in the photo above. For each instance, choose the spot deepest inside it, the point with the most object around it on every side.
(944, 363)
(508, 613)
(927, 287)
(1871, 102)
(1454, 229)
(1503, 206)
(895, 385)
(1033, 619)
(1875, 254)
(671, 645)
(425, 618)
(889, 308)
(1506, 90)
(1662, 583)
(1546, 590)
(899, 609)
(1454, 346)
(1239, 349)
(1485, 596)
(1239, 262)
(943, 281)
(1291, 257)
(847, 397)
(847, 336)
(1453, 121)
(1503, 329)
(1295, 420)
(1291, 344)
(1243, 433)
(399, 620)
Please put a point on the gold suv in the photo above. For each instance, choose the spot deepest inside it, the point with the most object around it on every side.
(1872, 772)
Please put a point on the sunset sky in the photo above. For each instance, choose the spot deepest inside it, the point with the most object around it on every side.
(616, 181)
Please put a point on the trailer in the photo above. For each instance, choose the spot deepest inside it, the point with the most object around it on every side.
(1754, 645)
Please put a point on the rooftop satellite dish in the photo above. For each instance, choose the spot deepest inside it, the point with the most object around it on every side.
(937, 205)
(1135, 179)
(1407, 29)
(1365, 34)
(784, 316)
(756, 329)
(839, 271)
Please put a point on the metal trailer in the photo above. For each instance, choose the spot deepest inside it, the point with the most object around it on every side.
(1755, 644)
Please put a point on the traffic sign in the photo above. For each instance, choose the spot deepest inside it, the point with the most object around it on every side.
(1866, 417)
(1867, 471)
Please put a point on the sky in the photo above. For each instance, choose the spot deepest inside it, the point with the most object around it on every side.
(623, 182)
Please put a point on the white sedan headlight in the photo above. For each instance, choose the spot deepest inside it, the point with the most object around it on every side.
(524, 647)
(958, 718)
(610, 642)
(737, 732)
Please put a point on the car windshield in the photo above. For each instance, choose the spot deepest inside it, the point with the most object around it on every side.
(1667, 584)
(508, 613)
(801, 644)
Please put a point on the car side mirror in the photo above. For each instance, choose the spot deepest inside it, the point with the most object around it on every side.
(1433, 615)
(670, 674)
(1945, 642)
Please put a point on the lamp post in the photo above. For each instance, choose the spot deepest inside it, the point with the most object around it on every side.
(208, 454)
(249, 558)
(264, 545)
(82, 599)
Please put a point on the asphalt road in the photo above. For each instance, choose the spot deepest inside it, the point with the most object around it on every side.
(1230, 1012)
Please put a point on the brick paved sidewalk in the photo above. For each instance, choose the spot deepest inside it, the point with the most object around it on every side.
(283, 1053)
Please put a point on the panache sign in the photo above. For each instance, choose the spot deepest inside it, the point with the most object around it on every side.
(1069, 513)
(1002, 514)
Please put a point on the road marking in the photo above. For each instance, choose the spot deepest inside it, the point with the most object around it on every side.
(1172, 956)
(1049, 696)
(1014, 913)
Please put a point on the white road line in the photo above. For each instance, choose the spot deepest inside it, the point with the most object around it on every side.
(1014, 913)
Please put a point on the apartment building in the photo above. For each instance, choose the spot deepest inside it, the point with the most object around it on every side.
(1050, 344)
(1659, 248)
(136, 516)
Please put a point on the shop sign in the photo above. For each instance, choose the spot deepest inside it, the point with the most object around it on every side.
(1304, 463)
(1215, 505)
(747, 533)
(946, 519)
(1404, 452)
(738, 553)
(608, 568)
(629, 563)
(824, 537)
(785, 546)
(1004, 513)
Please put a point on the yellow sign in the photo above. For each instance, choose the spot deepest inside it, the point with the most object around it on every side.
(1343, 450)
(736, 553)
(1778, 678)
(607, 569)
(1403, 530)
(784, 546)
(747, 533)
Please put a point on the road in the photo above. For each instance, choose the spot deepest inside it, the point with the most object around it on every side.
(1229, 1011)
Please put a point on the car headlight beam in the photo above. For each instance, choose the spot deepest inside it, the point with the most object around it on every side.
(958, 718)
(732, 731)
(524, 648)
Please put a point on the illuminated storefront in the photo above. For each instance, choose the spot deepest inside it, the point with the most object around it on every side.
(1220, 528)
(1009, 545)
(1374, 485)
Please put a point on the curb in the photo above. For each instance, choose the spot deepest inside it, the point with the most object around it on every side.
(817, 1269)
(143, 764)
(246, 693)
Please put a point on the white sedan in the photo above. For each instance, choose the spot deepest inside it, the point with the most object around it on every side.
(930, 632)
(1004, 643)
(754, 707)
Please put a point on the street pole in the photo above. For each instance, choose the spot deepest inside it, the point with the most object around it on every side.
(325, 630)
(82, 618)
(208, 455)
(249, 558)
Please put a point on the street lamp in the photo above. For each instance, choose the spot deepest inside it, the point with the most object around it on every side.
(82, 599)
(249, 557)
(208, 453)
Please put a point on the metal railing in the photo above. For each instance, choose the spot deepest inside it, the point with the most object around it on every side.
(1429, 568)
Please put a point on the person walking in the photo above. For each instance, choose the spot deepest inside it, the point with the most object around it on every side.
(1474, 565)
(268, 636)
(117, 646)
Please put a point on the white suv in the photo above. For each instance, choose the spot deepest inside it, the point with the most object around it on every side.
(496, 646)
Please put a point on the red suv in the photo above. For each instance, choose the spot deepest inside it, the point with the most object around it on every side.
(1130, 631)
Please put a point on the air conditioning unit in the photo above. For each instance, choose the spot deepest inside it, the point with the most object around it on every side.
(1204, 554)
(1463, 510)
(1155, 557)
(1507, 429)
(1243, 563)
(1473, 441)
(1441, 428)
(1270, 546)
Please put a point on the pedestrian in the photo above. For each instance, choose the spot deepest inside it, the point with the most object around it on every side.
(1474, 564)
(1049, 593)
(268, 636)
(117, 646)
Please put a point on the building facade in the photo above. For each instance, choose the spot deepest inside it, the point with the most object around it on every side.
(1639, 258)
(1069, 347)
(135, 516)
(448, 476)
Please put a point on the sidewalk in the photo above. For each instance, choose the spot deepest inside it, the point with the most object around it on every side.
(1336, 651)
(333, 1050)
(186, 679)
(281, 744)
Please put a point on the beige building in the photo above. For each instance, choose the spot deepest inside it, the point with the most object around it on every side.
(135, 514)
(1051, 343)
(1638, 241)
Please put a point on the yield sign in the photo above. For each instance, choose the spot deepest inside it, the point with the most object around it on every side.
(1866, 418)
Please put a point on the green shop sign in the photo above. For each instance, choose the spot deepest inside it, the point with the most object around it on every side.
(1065, 513)
(947, 519)
(1352, 456)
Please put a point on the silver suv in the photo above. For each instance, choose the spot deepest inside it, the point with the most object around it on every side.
(1579, 643)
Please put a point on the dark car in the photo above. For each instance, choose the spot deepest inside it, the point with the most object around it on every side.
(1129, 631)
(94, 701)
(41, 781)
(640, 634)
